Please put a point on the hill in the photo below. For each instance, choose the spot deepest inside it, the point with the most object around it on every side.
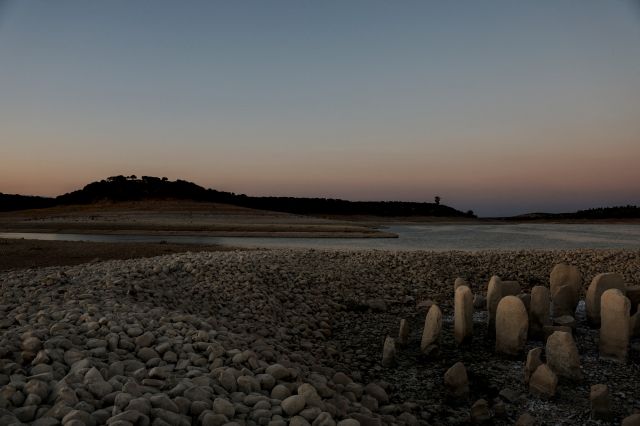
(132, 188)
(11, 202)
(600, 213)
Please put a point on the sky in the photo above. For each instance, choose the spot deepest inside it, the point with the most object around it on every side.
(501, 107)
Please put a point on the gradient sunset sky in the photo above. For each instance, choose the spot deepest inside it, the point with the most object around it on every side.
(502, 107)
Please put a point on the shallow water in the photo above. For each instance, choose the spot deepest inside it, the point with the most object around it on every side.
(412, 237)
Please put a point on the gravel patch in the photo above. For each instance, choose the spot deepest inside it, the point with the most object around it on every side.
(272, 337)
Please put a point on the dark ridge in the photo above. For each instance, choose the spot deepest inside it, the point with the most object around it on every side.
(132, 188)
(9, 202)
(616, 212)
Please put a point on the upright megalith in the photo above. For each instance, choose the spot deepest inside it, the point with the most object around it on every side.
(565, 301)
(463, 314)
(600, 284)
(456, 380)
(432, 328)
(562, 355)
(512, 324)
(403, 332)
(496, 290)
(614, 329)
(539, 311)
(494, 294)
(389, 352)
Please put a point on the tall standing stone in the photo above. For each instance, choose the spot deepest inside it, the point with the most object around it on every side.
(512, 324)
(389, 351)
(403, 332)
(539, 311)
(494, 294)
(600, 284)
(562, 355)
(563, 301)
(565, 275)
(432, 328)
(463, 314)
(614, 329)
(496, 290)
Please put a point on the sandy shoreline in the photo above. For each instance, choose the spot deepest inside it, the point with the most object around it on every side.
(248, 328)
(182, 218)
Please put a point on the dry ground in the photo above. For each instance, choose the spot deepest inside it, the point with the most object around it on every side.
(180, 218)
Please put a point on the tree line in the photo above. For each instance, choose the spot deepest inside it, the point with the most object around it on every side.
(132, 188)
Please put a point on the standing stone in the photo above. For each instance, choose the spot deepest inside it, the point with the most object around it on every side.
(600, 404)
(600, 284)
(512, 323)
(494, 294)
(463, 314)
(539, 311)
(526, 300)
(456, 380)
(543, 382)
(459, 282)
(389, 351)
(564, 301)
(403, 332)
(432, 328)
(565, 275)
(533, 362)
(562, 356)
(614, 330)
(496, 290)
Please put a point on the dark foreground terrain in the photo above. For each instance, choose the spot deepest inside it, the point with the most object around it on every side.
(277, 337)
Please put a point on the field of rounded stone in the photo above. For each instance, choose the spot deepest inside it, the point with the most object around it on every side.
(276, 337)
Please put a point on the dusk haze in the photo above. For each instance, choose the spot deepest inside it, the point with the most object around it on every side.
(501, 107)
